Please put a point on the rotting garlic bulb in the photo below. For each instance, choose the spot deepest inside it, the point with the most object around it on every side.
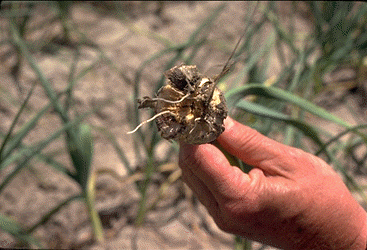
(189, 108)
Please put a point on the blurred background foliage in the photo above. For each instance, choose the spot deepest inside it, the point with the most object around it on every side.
(319, 70)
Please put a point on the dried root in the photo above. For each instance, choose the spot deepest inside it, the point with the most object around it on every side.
(149, 120)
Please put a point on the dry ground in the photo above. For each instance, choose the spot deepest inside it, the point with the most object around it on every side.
(38, 188)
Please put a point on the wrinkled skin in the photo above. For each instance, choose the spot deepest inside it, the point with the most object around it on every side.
(290, 199)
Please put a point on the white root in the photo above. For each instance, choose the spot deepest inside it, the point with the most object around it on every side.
(169, 101)
(149, 120)
(195, 121)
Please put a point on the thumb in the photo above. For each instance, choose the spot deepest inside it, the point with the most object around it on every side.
(252, 147)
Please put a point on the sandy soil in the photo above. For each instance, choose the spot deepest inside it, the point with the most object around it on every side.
(127, 38)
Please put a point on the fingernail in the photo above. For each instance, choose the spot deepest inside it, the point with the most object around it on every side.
(228, 122)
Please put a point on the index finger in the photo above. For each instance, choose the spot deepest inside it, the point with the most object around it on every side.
(206, 161)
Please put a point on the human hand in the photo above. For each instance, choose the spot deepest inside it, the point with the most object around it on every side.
(290, 199)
